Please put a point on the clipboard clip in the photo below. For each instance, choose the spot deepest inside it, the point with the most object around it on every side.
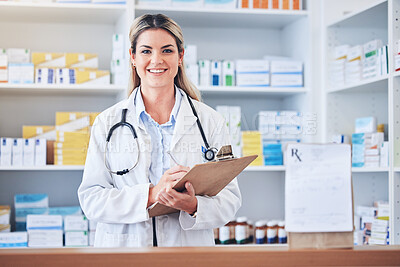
(224, 153)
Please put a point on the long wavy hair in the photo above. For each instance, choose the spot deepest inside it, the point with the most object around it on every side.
(160, 21)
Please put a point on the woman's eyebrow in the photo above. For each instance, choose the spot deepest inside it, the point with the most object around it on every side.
(146, 46)
(165, 46)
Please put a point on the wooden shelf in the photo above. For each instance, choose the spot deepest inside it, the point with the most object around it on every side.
(60, 13)
(233, 18)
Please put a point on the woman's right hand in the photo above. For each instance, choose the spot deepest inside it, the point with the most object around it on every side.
(167, 181)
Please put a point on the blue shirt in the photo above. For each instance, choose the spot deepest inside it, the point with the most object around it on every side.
(160, 135)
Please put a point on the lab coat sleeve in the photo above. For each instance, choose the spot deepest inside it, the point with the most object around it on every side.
(99, 199)
(214, 212)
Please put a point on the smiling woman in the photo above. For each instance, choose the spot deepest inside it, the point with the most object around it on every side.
(167, 124)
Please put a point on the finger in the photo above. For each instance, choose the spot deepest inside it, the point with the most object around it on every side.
(175, 176)
(166, 200)
(190, 189)
(177, 168)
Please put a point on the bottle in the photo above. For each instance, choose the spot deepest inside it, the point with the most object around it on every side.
(271, 232)
(224, 234)
(241, 230)
(216, 235)
(282, 236)
(232, 226)
(260, 232)
(251, 232)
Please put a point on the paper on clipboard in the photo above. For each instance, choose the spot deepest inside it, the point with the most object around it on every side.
(318, 194)
(207, 179)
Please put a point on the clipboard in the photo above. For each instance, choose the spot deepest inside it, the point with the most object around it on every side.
(208, 179)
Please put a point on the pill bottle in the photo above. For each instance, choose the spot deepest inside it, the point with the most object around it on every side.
(241, 230)
(251, 232)
(232, 226)
(260, 232)
(224, 234)
(282, 236)
(216, 235)
(271, 232)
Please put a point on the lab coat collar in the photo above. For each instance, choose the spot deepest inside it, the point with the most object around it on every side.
(131, 114)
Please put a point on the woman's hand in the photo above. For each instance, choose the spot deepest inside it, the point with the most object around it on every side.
(167, 181)
(185, 201)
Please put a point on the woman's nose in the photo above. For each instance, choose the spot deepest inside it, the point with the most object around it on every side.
(156, 58)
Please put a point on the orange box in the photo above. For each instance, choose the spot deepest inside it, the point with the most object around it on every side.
(256, 4)
(285, 4)
(275, 4)
(296, 4)
(264, 4)
(245, 3)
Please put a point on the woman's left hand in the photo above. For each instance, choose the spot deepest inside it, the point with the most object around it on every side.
(185, 201)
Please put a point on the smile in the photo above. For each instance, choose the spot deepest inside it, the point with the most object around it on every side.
(157, 71)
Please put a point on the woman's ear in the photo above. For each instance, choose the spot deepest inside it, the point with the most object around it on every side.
(181, 55)
(132, 57)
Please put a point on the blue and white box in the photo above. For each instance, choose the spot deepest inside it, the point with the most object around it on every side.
(216, 73)
(18, 152)
(252, 73)
(15, 239)
(44, 222)
(286, 73)
(365, 125)
(6, 151)
(22, 213)
(64, 211)
(29, 152)
(31, 201)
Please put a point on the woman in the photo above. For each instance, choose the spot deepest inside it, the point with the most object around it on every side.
(122, 178)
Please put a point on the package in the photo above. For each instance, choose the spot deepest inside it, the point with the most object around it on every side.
(45, 76)
(365, 125)
(76, 239)
(82, 60)
(246, 3)
(16, 239)
(75, 223)
(3, 68)
(40, 152)
(228, 73)
(251, 141)
(5, 228)
(22, 213)
(18, 55)
(192, 72)
(18, 152)
(49, 60)
(29, 152)
(72, 121)
(118, 50)
(31, 201)
(216, 73)
(118, 71)
(45, 238)
(286, 67)
(40, 131)
(98, 77)
(4, 214)
(252, 73)
(205, 72)
(286, 80)
(44, 222)
(20, 73)
(64, 211)
(6, 151)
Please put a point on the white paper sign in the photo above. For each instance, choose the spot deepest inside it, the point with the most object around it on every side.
(318, 188)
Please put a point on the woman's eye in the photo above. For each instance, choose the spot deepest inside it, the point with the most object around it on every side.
(167, 51)
(146, 51)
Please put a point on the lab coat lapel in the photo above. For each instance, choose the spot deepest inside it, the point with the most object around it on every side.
(184, 122)
(131, 114)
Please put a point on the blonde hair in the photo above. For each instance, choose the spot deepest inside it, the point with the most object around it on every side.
(160, 21)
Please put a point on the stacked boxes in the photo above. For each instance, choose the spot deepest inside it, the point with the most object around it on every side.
(272, 154)
(232, 115)
(337, 65)
(252, 146)
(252, 73)
(3, 66)
(5, 219)
(23, 152)
(191, 67)
(286, 73)
(44, 230)
(118, 60)
(29, 204)
(353, 66)
(92, 232)
(76, 231)
(15, 239)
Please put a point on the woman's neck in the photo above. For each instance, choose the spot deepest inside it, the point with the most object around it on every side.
(158, 102)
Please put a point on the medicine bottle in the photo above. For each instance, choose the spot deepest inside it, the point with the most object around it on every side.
(216, 235)
(224, 234)
(241, 230)
(232, 226)
(251, 232)
(282, 236)
(271, 232)
(260, 232)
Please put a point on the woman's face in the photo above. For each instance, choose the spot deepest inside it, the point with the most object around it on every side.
(157, 58)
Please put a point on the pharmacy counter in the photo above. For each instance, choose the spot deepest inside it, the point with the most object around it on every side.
(201, 256)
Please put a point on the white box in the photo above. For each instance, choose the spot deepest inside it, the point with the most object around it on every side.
(252, 66)
(45, 238)
(365, 125)
(31, 201)
(285, 67)
(76, 239)
(29, 152)
(341, 51)
(44, 222)
(92, 235)
(19, 55)
(372, 45)
(384, 152)
(355, 53)
(18, 152)
(4, 215)
(205, 72)
(287, 80)
(383, 210)
(40, 152)
(6, 151)
(252, 79)
(376, 241)
(118, 50)
(228, 73)
(20, 73)
(45, 76)
(92, 225)
(216, 73)
(75, 223)
(190, 56)
(192, 72)
(15, 239)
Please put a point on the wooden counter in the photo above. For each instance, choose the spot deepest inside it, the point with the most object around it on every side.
(201, 256)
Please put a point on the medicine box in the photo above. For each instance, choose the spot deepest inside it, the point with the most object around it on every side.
(287, 67)
(45, 238)
(31, 201)
(20, 73)
(4, 214)
(205, 72)
(40, 152)
(228, 73)
(44, 222)
(3, 68)
(118, 50)
(82, 60)
(39, 131)
(190, 56)
(18, 55)
(29, 152)
(92, 77)
(365, 125)
(5, 228)
(15, 239)
(75, 223)
(76, 239)
(216, 73)
(192, 71)
(64, 211)
(49, 60)
(6, 151)
(22, 213)
(286, 80)
(18, 152)
(45, 76)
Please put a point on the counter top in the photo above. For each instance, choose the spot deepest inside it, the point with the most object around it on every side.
(201, 256)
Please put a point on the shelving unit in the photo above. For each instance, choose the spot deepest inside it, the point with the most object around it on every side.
(376, 97)
(277, 91)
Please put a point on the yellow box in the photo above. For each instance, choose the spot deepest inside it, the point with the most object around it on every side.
(37, 131)
(93, 116)
(52, 60)
(60, 160)
(5, 228)
(81, 137)
(70, 145)
(82, 60)
(64, 117)
(92, 77)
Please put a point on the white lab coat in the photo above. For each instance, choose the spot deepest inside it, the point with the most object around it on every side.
(119, 203)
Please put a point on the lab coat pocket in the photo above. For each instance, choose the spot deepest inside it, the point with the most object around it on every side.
(121, 240)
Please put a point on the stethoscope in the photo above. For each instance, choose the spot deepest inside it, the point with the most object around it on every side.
(208, 153)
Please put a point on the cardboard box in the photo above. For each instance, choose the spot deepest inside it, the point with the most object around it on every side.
(18, 152)
(31, 201)
(29, 152)
(6, 151)
(16, 239)
(40, 131)
(48, 60)
(40, 152)
(76, 223)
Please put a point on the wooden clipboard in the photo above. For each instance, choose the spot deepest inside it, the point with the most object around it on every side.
(208, 179)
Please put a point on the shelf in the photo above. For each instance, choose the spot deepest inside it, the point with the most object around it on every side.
(60, 13)
(396, 169)
(43, 168)
(396, 74)
(363, 169)
(370, 16)
(278, 91)
(234, 18)
(377, 84)
(61, 89)
(276, 168)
